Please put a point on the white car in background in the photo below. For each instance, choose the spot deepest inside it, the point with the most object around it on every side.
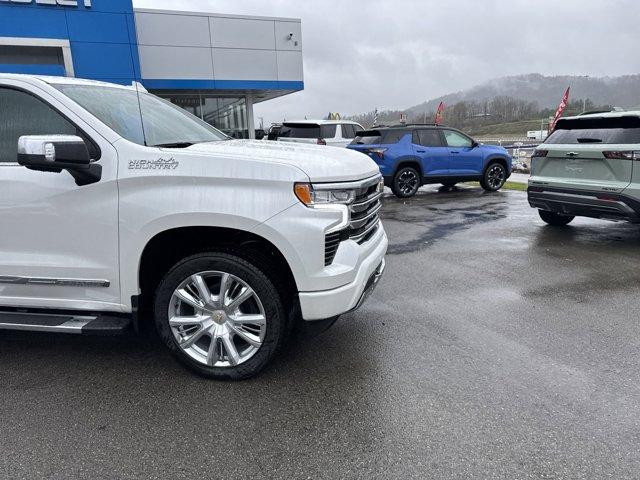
(335, 133)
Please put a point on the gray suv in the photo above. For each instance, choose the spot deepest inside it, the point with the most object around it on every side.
(587, 167)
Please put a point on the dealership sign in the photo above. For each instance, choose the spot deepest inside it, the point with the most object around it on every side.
(62, 3)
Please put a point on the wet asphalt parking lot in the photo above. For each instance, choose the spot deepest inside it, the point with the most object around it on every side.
(494, 347)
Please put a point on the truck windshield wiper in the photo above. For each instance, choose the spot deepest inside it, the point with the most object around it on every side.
(186, 144)
(589, 140)
(174, 145)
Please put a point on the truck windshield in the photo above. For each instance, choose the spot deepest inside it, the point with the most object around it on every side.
(140, 117)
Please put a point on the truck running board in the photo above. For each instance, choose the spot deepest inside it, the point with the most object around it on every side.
(60, 323)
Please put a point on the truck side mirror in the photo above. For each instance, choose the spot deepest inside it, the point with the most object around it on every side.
(54, 153)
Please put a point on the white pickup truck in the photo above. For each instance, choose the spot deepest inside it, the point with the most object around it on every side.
(112, 199)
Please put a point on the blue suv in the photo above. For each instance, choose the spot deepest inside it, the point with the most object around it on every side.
(410, 156)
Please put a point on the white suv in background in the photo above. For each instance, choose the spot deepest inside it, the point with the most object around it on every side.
(335, 133)
(113, 201)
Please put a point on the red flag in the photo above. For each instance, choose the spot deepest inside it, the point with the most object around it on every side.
(439, 112)
(561, 107)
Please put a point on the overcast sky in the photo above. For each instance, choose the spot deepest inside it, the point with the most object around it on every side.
(366, 54)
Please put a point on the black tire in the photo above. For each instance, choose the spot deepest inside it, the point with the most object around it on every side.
(406, 182)
(555, 219)
(494, 177)
(276, 317)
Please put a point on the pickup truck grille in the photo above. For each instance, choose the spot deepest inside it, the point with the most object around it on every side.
(364, 214)
(364, 220)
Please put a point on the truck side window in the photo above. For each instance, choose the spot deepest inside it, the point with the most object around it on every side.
(23, 114)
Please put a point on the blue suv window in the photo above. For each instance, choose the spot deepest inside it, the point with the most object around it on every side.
(370, 137)
(427, 138)
(379, 137)
(455, 139)
(394, 136)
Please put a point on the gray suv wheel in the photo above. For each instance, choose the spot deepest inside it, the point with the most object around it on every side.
(555, 219)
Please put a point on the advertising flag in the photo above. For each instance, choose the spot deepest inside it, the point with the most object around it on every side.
(439, 113)
(561, 107)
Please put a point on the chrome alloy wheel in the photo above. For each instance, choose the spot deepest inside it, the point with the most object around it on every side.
(408, 182)
(217, 319)
(495, 177)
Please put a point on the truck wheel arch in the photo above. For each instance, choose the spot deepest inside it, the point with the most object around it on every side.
(168, 247)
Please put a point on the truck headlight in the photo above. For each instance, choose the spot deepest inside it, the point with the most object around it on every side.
(312, 197)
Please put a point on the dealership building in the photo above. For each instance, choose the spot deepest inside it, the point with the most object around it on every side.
(215, 66)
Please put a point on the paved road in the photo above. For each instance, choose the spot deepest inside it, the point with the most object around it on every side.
(495, 347)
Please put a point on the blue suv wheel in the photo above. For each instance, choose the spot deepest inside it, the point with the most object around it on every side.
(406, 182)
(494, 177)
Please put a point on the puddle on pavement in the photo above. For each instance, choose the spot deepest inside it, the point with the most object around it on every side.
(436, 222)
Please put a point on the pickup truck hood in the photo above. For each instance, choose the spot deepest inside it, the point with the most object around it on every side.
(319, 163)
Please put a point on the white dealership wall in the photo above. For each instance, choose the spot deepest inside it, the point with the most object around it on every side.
(260, 57)
(174, 45)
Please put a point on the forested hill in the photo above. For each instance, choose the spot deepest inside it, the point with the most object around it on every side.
(547, 91)
(520, 98)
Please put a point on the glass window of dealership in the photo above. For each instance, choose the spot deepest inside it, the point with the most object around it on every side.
(231, 114)
(215, 66)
